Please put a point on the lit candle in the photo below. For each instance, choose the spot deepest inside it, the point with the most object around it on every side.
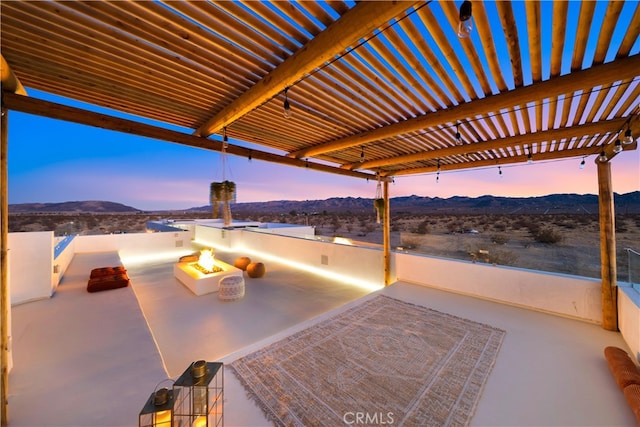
(201, 421)
(163, 418)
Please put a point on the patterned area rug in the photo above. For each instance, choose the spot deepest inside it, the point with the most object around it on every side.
(383, 362)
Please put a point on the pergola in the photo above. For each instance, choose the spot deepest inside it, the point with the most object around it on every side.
(376, 89)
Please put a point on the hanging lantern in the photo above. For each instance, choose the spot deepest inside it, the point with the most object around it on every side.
(158, 410)
(378, 202)
(200, 395)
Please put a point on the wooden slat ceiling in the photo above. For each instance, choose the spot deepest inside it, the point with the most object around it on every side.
(374, 87)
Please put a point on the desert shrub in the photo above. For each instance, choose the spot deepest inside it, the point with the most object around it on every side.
(583, 219)
(521, 222)
(621, 226)
(534, 228)
(423, 227)
(455, 226)
(500, 226)
(502, 257)
(409, 242)
(499, 239)
(335, 224)
(570, 225)
(483, 220)
(547, 235)
(482, 252)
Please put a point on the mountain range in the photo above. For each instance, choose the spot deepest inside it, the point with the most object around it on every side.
(628, 203)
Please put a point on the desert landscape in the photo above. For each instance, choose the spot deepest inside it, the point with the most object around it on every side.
(563, 243)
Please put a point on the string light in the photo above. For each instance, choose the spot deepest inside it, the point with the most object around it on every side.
(617, 148)
(529, 156)
(500, 171)
(602, 158)
(628, 137)
(225, 139)
(465, 26)
(582, 163)
(250, 155)
(287, 107)
(458, 136)
(438, 173)
(362, 154)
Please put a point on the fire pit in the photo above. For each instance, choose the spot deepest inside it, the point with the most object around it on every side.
(203, 276)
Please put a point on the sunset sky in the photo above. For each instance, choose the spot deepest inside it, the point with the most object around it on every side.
(55, 161)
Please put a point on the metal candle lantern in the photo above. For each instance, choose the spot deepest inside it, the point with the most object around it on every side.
(158, 411)
(200, 395)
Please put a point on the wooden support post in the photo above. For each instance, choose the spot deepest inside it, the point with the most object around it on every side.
(386, 235)
(4, 269)
(607, 248)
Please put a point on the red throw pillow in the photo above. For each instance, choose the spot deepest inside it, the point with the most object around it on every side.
(107, 271)
(108, 282)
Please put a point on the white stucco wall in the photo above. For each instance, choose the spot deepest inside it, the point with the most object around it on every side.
(132, 246)
(350, 263)
(31, 266)
(571, 296)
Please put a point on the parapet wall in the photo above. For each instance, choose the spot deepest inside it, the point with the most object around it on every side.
(571, 296)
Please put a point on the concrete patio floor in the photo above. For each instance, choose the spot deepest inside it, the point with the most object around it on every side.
(93, 359)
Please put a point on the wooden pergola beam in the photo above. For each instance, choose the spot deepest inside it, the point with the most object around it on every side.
(608, 126)
(554, 155)
(625, 68)
(76, 115)
(608, 269)
(10, 82)
(355, 24)
(4, 268)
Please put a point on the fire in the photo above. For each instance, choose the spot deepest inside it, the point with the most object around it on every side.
(206, 260)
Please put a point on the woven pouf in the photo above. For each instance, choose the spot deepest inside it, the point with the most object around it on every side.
(256, 270)
(242, 262)
(231, 288)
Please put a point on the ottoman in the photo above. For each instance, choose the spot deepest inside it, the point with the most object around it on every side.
(231, 288)
(242, 262)
(256, 270)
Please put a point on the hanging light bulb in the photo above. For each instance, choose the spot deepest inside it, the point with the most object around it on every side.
(602, 157)
(362, 154)
(617, 148)
(438, 173)
(628, 137)
(582, 163)
(287, 106)
(465, 26)
(500, 171)
(250, 156)
(458, 136)
(529, 155)
(225, 139)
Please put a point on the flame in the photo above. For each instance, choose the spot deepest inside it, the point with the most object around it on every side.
(206, 260)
